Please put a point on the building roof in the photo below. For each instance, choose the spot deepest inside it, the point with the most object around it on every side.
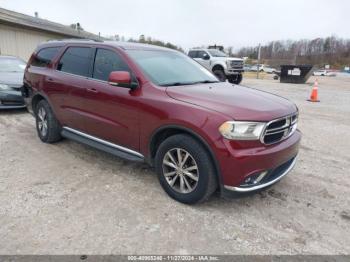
(14, 18)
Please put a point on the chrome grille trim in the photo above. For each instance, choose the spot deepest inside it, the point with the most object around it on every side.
(285, 130)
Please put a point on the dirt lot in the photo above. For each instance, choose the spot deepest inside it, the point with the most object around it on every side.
(67, 198)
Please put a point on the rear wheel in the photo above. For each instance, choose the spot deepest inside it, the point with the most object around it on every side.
(185, 170)
(48, 128)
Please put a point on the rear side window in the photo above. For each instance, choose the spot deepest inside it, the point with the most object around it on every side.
(44, 56)
(76, 60)
(107, 61)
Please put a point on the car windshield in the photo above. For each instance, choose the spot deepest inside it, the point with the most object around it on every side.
(171, 68)
(11, 65)
(217, 53)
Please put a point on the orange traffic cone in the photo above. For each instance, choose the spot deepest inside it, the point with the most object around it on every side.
(314, 93)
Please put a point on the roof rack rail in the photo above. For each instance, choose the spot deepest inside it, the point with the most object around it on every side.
(76, 39)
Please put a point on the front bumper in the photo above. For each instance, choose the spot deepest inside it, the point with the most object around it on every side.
(241, 160)
(272, 177)
(11, 100)
(231, 71)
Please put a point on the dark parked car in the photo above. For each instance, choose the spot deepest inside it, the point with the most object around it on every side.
(153, 104)
(11, 81)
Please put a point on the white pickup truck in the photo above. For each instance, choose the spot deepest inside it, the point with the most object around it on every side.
(223, 66)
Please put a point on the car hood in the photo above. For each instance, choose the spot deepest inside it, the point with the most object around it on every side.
(236, 102)
(13, 79)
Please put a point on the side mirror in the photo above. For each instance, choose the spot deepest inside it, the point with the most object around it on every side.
(122, 79)
(206, 57)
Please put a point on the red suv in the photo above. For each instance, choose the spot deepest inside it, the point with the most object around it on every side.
(152, 104)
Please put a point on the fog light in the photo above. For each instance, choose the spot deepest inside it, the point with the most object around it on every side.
(248, 180)
(254, 179)
(260, 177)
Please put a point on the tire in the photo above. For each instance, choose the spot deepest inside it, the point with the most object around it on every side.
(235, 79)
(206, 183)
(220, 74)
(47, 126)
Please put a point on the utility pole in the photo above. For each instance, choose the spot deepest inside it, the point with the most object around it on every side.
(258, 69)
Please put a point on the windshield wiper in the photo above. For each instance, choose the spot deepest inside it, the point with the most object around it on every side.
(178, 84)
(206, 82)
(190, 83)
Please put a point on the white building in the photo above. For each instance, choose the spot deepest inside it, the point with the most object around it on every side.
(20, 34)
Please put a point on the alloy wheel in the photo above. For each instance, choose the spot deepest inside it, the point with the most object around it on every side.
(180, 170)
(42, 121)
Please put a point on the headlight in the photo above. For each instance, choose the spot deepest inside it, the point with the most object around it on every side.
(4, 87)
(228, 63)
(239, 130)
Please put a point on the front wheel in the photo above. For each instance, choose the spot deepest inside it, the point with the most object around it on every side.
(220, 74)
(185, 169)
(235, 79)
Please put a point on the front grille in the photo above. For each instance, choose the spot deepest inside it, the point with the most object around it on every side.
(279, 129)
(236, 64)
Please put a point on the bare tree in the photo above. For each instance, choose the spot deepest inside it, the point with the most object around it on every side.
(320, 51)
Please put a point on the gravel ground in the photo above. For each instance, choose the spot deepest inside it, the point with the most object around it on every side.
(68, 198)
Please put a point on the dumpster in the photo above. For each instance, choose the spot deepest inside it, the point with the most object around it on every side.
(297, 74)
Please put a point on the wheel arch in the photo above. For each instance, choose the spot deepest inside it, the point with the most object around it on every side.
(218, 67)
(164, 132)
(37, 98)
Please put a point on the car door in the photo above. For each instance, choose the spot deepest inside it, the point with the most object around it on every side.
(111, 111)
(74, 69)
(40, 76)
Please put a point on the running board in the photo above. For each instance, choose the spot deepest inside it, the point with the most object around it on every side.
(102, 145)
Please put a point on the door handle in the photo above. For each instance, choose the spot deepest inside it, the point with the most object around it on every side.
(92, 90)
(50, 79)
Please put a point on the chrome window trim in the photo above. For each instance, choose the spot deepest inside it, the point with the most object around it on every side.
(91, 78)
(250, 189)
(80, 76)
(121, 148)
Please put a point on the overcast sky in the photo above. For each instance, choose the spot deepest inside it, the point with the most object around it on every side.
(191, 23)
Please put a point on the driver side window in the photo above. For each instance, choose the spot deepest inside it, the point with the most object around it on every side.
(200, 54)
(107, 61)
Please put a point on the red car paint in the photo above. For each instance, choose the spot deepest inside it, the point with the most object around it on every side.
(133, 118)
